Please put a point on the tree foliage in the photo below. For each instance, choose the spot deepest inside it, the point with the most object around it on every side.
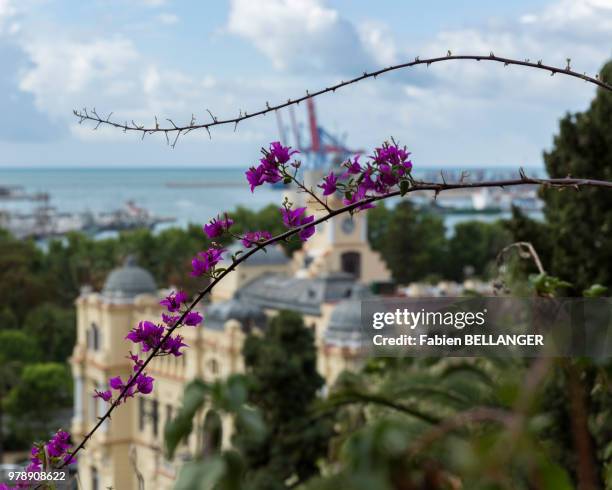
(580, 223)
(35, 403)
(282, 368)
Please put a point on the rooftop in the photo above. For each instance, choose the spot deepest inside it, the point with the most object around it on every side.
(278, 291)
(128, 281)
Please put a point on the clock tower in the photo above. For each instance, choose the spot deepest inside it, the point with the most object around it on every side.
(339, 244)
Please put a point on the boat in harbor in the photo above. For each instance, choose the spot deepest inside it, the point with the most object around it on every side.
(47, 222)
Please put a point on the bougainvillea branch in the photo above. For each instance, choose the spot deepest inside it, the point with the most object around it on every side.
(178, 130)
(386, 175)
(352, 207)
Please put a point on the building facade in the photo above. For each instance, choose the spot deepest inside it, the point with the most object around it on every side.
(324, 282)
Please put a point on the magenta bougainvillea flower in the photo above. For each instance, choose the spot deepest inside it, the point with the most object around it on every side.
(172, 345)
(254, 177)
(136, 360)
(281, 153)
(144, 384)
(147, 333)
(205, 261)
(307, 232)
(57, 451)
(216, 227)
(170, 319)
(174, 301)
(293, 218)
(250, 238)
(269, 168)
(330, 184)
(58, 444)
(352, 167)
(193, 319)
(105, 395)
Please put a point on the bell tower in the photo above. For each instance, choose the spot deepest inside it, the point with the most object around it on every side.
(339, 244)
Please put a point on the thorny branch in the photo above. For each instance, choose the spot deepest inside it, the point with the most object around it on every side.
(351, 208)
(178, 131)
(526, 251)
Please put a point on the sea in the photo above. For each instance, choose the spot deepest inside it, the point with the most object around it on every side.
(190, 195)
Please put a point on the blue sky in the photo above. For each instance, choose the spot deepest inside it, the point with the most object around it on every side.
(140, 58)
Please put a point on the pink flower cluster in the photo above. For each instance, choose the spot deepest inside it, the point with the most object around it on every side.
(216, 227)
(388, 167)
(204, 262)
(292, 218)
(250, 238)
(151, 336)
(47, 456)
(271, 167)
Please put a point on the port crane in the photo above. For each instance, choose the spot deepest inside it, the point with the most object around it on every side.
(324, 148)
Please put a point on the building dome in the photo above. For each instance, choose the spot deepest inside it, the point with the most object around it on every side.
(271, 255)
(128, 281)
(247, 314)
(344, 327)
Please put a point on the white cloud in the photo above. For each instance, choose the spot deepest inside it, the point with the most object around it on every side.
(64, 70)
(167, 18)
(378, 42)
(154, 3)
(574, 14)
(8, 12)
(299, 35)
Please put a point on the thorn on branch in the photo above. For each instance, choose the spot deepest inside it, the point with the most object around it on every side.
(568, 67)
(449, 54)
(173, 145)
(212, 116)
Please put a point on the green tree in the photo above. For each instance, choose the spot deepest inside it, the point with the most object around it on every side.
(581, 222)
(522, 228)
(413, 244)
(77, 260)
(284, 382)
(8, 320)
(378, 222)
(23, 282)
(473, 246)
(54, 329)
(35, 403)
(16, 349)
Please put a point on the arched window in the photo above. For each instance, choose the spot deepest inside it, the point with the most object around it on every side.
(213, 366)
(351, 263)
(95, 483)
(94, 337)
